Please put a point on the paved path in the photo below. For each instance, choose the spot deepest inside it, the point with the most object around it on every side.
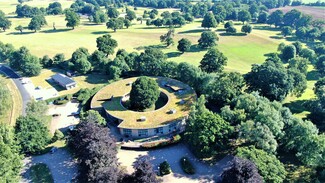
(173, 154)
(16, 79)
(63, 167)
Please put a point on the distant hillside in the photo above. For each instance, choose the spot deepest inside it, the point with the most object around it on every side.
(316, 12)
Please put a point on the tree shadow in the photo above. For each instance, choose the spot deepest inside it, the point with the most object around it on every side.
(56, 31)
(291, 38)
(312, 76)
(20, 33)
(276, 37)
(264, 27)
(173, 54)
(91, 24)
(298, 106)
(192, 31)
(152, 27)
(100, 32)
(96, 78)
(230, 34)
(159, 46)
(219, 30)
(195, 48)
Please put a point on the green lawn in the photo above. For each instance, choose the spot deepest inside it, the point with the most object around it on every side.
(40, 173)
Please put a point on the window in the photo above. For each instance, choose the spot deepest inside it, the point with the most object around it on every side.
(172, 127)
(127, 132)
(143, 133)
(159, 130)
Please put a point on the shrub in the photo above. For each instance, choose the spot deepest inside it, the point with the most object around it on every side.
(187, 166)
(58, 135)
(164, 168)
(161, 143)
(61, 102)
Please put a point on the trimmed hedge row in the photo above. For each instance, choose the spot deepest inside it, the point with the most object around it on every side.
(59, 100)
(161, 143)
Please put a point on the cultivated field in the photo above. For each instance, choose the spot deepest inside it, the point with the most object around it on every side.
(315, 12)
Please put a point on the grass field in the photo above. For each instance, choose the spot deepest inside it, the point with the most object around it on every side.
(16, 103)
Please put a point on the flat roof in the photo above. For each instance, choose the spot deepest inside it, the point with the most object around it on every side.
(110, 97)
(63, 79)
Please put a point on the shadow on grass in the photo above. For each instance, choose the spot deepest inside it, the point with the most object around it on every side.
(266, 28)
(91, 24)
(298, 106)
(56, 31)
(312, 76)
(193, 31)
(100, 32)
(152, 27)
(173, 54)
(292, 38)
(222, 29)
(276, 37)
(195, 48)
(20, 33)
(97, 78)
(230, 34)
(159, 46)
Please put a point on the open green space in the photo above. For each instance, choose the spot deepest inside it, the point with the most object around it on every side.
(41, 173)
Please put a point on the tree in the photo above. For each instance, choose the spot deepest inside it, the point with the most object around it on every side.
(93, 116)
(301, 64)
(99, 17)
(72, 18)
(299, 81)
(224, 88)
(115, 23)
(288, 52)
(228, 24)
(32, 134)
(242, 170)
(19, 28)
(127, 23)
(298, 46)
(144, 93)
(247, 28)
(54, 8)
(213, 61)
(231, 30)
(320, 65)
(264, 162)
(31, 66)
(291, 18)
(5, 23)
(5, 100)
(188, 73)
(150, 62)
(206, 132)
(276, 83)
(10, 157)
(37, 110)
(106, 44)
(112, 12)
(168, 37)
(96, 150)
(286, 31)
(98, 60)
(262, 17)
(208, 39)
(82, 65)
(184, 45)
(275, 18)
(37, 22)
(209, 21)
(244, 16)
(130, 15)
(143, 171)
(164, 168)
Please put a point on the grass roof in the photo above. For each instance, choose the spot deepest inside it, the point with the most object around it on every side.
(154, 119)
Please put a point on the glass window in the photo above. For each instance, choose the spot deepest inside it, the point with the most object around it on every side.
(172, 127)
(127, 132)
(159, 130)
(143, 133)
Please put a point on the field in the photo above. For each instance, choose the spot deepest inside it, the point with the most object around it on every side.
(241, 50)
(315, 12)
(16, 103)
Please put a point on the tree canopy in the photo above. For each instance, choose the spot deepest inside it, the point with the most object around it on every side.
(208, 39)
(106, 44)
(213, 61)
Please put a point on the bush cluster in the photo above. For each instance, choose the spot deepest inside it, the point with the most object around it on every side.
(187, 166)
(157, 144)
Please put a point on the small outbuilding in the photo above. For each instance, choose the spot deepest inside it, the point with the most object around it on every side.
(64, 81)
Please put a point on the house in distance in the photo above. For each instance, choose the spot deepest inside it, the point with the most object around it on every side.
(64, 81)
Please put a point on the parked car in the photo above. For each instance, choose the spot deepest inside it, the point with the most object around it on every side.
(56, 115)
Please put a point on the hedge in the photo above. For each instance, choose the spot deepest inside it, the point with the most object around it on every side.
(187, 166)
(161, 143)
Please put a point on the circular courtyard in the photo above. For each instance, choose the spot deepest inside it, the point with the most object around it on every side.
(167, 116)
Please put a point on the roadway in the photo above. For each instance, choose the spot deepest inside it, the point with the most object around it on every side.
(16, 79)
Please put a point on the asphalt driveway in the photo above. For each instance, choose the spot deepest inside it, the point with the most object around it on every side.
(16, 79)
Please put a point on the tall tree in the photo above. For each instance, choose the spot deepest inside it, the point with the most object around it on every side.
(209, 21)
(5, 23)
(184, 45)
(275, 18)
(106, 44)
(244, 16)
(242, 170)
(112, 12)
(32, 134)
(115, 23)
(93, 116)
(208, 39)
(37, 22)
(143, 171)
(144, 93)
(213, 61)
(72, 18)
(150, 62)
